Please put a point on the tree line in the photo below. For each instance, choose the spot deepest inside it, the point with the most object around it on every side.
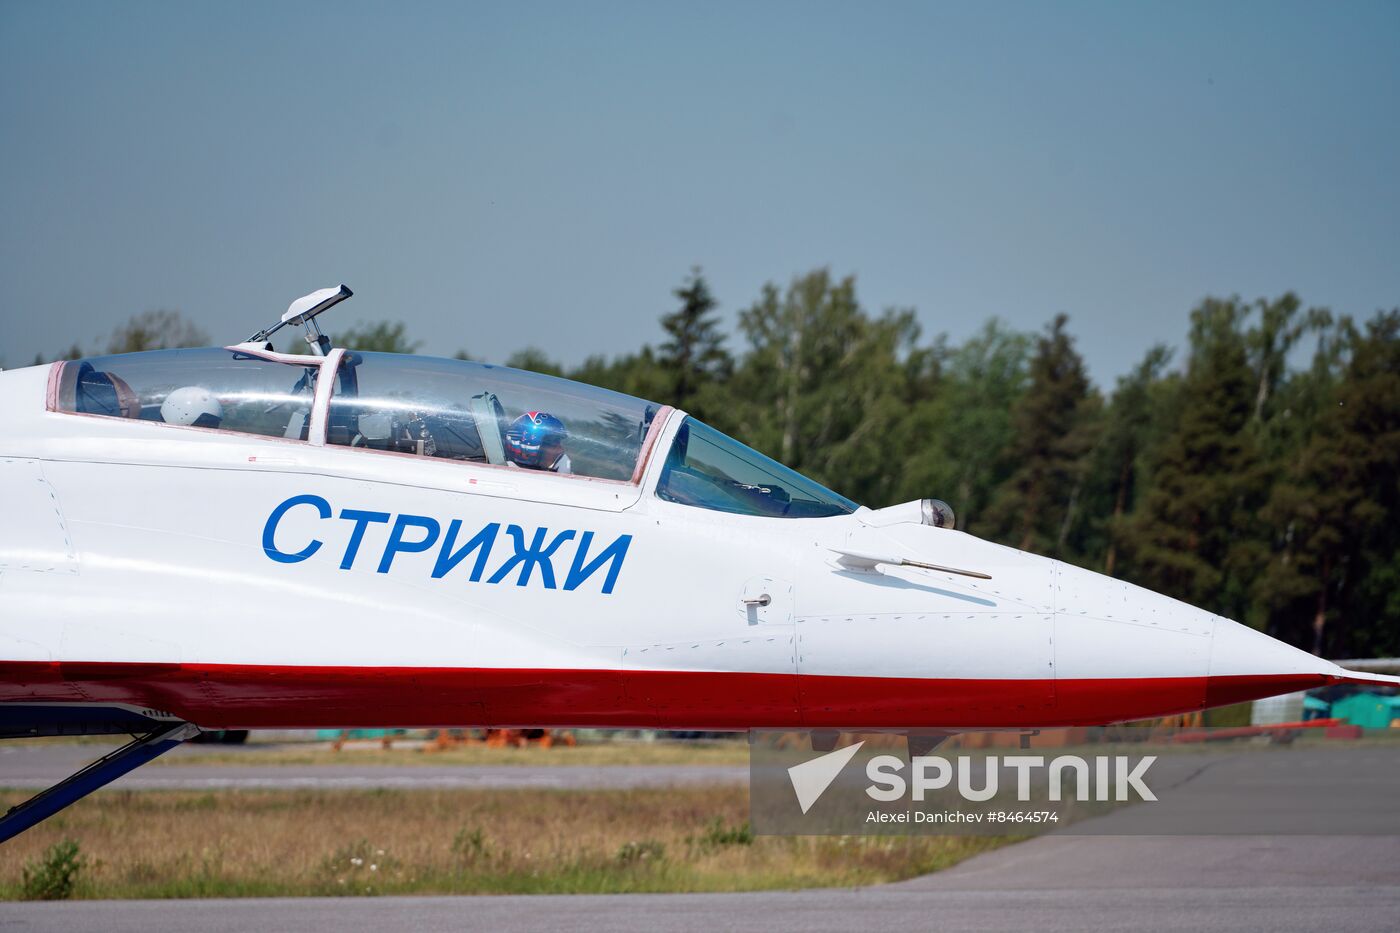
(1255, 474)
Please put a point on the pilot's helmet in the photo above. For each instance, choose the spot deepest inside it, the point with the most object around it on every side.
(535, 440)
(192, 405)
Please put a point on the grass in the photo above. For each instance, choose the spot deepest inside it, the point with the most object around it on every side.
(717, 752)
(160, 844)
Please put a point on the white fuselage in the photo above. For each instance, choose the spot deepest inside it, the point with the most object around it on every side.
(236, 581)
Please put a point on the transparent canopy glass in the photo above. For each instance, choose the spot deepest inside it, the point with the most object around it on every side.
(213, 387)
(710, 470)
(447, 409)
(461, 410)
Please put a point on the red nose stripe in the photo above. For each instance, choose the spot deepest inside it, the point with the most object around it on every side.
(261, 696)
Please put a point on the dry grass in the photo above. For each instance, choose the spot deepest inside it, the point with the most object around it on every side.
(250, 843)
(718, 752)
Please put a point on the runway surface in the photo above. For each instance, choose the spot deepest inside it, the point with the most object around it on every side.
(1072, 883)
(1240, 884)
(38, 766)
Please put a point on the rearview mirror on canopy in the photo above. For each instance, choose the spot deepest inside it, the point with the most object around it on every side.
(303, 312)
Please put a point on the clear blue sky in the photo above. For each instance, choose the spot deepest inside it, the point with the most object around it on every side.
(511, 174)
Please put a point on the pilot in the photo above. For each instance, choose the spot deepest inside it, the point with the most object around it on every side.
(535, 441)
(195, 406)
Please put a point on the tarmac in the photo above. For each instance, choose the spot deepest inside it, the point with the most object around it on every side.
(1244, 884)
(1240, 883)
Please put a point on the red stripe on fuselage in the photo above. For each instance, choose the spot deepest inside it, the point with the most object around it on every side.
(287, 697)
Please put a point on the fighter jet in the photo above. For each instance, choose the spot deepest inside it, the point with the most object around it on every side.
(236, 538)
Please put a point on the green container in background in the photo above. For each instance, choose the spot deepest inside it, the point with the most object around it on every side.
(331, 735)
(1367, 710)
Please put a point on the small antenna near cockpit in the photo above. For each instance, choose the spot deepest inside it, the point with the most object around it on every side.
(303, 311)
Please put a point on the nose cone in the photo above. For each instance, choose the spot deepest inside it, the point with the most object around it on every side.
(1176, 657)
(1123, 652)
(1041, 642)
(1182, 656)
(1246, 665)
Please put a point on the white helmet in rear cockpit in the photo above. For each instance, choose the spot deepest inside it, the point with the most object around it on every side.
(194, 406)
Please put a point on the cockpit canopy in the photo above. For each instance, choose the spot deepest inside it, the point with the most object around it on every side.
(711, 470)
(471, 411)
(448, 409)
(245, 393)
(442, 409)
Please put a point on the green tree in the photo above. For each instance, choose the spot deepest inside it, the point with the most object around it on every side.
(636, 374)
(1331, 580)
(1281, 323)
(1369, 403)
(535, 360)
(376, 337)
(1127, 433)
(1190, 538)
(821, 385)
(693, 355)
(155, 330)
(959, 428)
(1053, 424)
(74, 352)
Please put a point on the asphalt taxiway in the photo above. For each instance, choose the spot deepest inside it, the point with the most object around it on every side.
(1244, 884)
(1240, 883)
